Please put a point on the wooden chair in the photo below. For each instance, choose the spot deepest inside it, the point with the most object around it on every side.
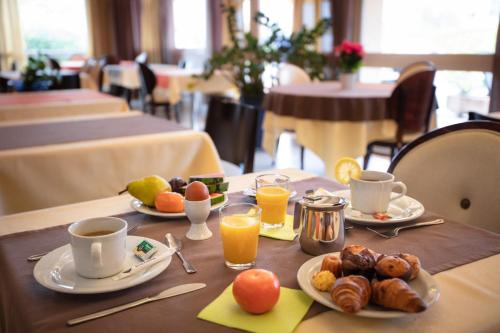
(478, 116)
(102, 62)
(454, 171)
(142, 58)
(411, 103)
(233, 128)
(416, 67)
(148, 85)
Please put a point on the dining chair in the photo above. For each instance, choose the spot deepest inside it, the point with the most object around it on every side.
(416, 67)
(89, 74)
(103, 62)
(54, 64)
(233, 128)
(142, 58)
(454, 172)
(151, 100)
(478, 116)
(411, 104)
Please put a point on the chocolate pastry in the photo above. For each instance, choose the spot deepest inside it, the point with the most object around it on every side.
(388, 267)
(351, 293)
(357, 260)
(332, 264)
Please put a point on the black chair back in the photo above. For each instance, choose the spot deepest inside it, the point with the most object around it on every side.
(148, 79)
(54, 64)
(142, 58)
(233, 127)
(412, 102)
(478, 116)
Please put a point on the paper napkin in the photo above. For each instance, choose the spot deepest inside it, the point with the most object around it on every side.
(283, 318)
(284, 233)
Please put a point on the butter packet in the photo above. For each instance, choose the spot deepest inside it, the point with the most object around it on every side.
(144, 250)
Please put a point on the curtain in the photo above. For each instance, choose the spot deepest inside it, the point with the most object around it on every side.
(127, 23)
(11, 41)
(101, 24)
(495, 86)
(151, 41)
(215, 21)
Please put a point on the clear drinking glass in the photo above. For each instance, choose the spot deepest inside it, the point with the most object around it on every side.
(272, 193)
(239, 231)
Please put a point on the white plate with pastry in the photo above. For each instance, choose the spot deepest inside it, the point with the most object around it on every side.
(424, 285)
(56, 271)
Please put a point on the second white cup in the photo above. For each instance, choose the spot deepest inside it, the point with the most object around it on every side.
(371, 193)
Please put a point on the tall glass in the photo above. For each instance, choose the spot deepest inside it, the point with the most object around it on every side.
(239, 231)
(272, 193)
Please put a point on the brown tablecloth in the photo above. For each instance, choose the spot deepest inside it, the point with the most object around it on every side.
(326, 101)
(26, 306)
(32, 135)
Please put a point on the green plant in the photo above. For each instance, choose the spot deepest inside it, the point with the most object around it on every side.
(244, 61)
(36, 71)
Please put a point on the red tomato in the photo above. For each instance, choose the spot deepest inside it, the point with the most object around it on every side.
(256, 290)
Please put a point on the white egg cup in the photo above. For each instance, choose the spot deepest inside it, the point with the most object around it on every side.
(197, 213)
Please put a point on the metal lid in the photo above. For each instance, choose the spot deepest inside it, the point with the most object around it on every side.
(323, 202)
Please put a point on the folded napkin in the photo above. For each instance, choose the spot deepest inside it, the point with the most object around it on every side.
(284, 233)
(283, 318)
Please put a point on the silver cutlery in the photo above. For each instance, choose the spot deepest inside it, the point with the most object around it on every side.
(36, 257)
(395, 232)
(176, 245)
(174, 291)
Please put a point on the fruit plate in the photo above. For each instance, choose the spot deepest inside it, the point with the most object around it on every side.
(424, 285)
(56, 271)
(140, 207)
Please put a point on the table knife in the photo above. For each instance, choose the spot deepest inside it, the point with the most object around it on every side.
(174, 291)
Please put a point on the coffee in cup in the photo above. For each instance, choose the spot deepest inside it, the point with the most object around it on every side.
(371, 193)
(98, 246)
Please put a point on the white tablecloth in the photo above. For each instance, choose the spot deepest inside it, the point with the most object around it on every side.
(46, 176)
(470, 294)
(57, 103)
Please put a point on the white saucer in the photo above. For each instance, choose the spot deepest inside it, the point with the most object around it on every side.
(140, 207)
(401, 210)
(251, 192)
(424, 285)
(56, 271)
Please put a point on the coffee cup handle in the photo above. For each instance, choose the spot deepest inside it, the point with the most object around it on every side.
(403, 190)
(96, 254)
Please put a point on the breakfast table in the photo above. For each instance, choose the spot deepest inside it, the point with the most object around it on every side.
(464, 261)
(328, 120)
(58, 103)
(64, 160)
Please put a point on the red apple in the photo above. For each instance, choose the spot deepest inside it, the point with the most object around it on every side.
(256, 290)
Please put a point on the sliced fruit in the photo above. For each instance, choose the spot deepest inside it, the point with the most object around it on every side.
(347, 168)
(208, 179)
(217, 198)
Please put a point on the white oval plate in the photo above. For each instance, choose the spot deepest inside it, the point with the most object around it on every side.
(424, 285)
(56, 271)
(402, 210)
(140, 207)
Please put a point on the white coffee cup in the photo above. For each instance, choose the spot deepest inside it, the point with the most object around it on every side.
(99, 246)
(371, 193)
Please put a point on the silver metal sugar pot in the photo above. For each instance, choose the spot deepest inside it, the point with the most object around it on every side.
(319, 221)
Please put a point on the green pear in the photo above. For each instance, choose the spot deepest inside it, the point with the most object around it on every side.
(147, 188)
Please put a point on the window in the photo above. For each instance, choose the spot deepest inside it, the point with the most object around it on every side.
(279, 12)
(54, 27)
(190, 24)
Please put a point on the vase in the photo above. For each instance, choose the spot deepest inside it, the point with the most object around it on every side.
(347, 80)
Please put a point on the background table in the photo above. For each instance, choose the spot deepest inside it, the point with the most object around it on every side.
(54, 163)
(469, 301)
(57, 103)
(329, 121)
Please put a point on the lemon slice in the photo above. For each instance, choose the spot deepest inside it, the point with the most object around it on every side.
(347, 168)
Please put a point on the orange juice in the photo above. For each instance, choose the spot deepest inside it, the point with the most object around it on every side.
(240, 237)
(273, 201)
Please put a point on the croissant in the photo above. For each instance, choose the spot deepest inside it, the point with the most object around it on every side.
(414, 263)
(332, 264)
(357, 260)
(392, 267)
(397, 294)
(351, 293)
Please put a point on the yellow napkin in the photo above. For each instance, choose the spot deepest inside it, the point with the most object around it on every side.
(286, 232)
(283, 318)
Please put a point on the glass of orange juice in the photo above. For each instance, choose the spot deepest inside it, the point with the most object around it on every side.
(272, 193)
(239, 231)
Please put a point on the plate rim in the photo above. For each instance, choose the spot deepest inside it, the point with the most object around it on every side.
(373, 222)
(39, 275)
(306, 286)
(136, 204)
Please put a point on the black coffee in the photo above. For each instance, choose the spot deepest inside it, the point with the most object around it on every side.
(98, 233)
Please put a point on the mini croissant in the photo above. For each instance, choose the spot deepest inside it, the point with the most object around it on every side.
(414, 263)
(397, 294)
(351, 293)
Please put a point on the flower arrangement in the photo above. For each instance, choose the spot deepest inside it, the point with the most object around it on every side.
(350, 56)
